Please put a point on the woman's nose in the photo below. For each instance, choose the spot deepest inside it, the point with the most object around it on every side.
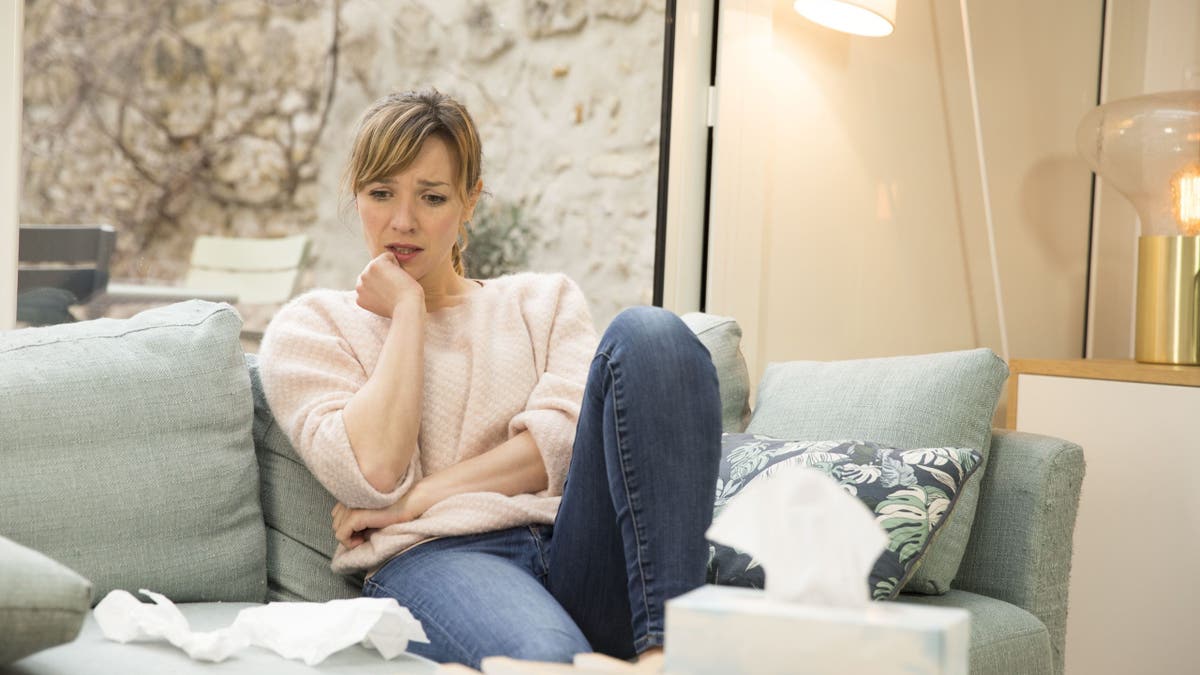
(403, 219)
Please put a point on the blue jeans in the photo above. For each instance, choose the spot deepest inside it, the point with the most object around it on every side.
(629, 534)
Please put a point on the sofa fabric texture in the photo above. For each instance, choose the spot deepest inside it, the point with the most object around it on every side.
(42, 602)
(722, 336)
(127, 452)
(1005, 639)
(1021, 545)
(296, 508)
(930, 400)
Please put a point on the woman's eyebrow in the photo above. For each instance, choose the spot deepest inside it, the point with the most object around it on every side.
(432, 183)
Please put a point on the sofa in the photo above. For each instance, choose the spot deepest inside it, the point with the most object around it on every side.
(141, 453)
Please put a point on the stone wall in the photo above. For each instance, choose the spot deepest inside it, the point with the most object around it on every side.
(173, 118)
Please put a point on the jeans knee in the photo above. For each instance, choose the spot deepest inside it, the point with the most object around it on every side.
(651, 330)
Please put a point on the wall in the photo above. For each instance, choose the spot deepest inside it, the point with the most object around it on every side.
(1153, 46)
(848, 216)
(171, 118)
(10, 158)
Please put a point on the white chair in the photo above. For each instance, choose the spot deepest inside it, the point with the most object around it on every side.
(230, 269)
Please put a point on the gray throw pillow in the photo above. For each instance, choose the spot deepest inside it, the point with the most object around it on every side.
(907, 402)
(722, 336)
(126, 452)
(42, 603)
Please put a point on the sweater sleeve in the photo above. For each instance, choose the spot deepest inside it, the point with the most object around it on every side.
(309, 374)
(563, 350)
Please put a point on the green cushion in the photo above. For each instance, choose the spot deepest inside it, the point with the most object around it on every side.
(126, 453)
(1005, 639)
(42, 603)
(925, 401)
(300, 541)
(722, 336)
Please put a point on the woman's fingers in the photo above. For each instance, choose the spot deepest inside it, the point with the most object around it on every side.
(353, 526)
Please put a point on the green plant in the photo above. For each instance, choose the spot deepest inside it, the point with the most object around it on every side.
(500, 238)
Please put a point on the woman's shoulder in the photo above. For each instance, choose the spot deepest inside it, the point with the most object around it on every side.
(544, 297)
(320, 308)
(534, 284)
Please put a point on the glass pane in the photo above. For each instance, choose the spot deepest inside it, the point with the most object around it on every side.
(173, 119)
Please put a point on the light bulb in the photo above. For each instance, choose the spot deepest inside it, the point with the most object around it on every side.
(1186, 189)
(1148, 148)
(872, 18)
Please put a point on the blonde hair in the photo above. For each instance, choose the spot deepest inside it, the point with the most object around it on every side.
(391, 133)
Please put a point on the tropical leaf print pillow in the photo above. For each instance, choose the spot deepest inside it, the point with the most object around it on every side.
(910, 492)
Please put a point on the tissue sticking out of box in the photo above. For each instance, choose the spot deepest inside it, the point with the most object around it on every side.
(306, 631)
(816, 542)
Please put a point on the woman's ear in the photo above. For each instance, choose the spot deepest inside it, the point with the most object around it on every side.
(473, 199)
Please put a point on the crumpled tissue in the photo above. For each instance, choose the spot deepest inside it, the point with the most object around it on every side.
(306, 631)
(815, 541)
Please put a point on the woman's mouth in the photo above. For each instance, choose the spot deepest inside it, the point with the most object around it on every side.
(404, 253)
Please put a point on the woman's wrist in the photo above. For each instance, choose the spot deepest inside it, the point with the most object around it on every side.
(420, 498)
(409, 301)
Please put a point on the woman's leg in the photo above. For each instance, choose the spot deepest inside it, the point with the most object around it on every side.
(629, 533)
(479, 596)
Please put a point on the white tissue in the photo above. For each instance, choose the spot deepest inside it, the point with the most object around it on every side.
(816, 542)
(306, 631)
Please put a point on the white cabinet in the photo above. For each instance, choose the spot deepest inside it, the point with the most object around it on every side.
(1135, 578)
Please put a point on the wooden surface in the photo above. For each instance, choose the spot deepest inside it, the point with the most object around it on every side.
(1096, 369)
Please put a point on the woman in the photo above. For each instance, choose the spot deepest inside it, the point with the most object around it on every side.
(520, 491)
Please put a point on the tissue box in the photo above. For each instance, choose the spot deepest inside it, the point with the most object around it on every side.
(723, 630)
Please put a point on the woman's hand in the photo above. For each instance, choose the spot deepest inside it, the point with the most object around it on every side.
(383, 284)
(354, 526)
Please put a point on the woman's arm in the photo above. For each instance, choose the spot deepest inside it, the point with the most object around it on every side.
(511, 468)
(383, 418)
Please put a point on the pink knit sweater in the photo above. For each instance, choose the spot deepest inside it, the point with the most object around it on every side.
(513, 357)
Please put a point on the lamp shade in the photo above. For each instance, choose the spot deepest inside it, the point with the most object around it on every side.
(1148, 148)
(872, 18)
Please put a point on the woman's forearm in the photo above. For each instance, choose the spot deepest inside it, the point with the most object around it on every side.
(511, 468)
(384, 416)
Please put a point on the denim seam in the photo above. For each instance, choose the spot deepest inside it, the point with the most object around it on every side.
(541, 550)
(629, 498)
(650, 639)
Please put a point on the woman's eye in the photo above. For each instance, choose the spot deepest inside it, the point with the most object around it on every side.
(435, 199)
(379, 194)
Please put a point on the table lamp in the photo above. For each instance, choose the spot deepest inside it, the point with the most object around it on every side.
(1148, 148)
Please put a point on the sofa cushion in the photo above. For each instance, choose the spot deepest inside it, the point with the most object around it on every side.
(296, 507)
(42, 603)
(126, 454)
(722, 336)
(924, 401)
(94, 654)
(910, 492)
(1005, 639)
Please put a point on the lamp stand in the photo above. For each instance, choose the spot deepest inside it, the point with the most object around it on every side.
(1168, 300)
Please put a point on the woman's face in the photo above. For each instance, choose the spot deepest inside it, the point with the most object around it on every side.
(415, 214)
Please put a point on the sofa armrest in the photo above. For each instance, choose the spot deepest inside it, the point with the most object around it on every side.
(1020, 545)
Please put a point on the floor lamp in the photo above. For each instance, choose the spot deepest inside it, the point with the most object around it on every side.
(877, 18)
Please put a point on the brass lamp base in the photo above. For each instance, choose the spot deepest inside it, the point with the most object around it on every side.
(1168, 300)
